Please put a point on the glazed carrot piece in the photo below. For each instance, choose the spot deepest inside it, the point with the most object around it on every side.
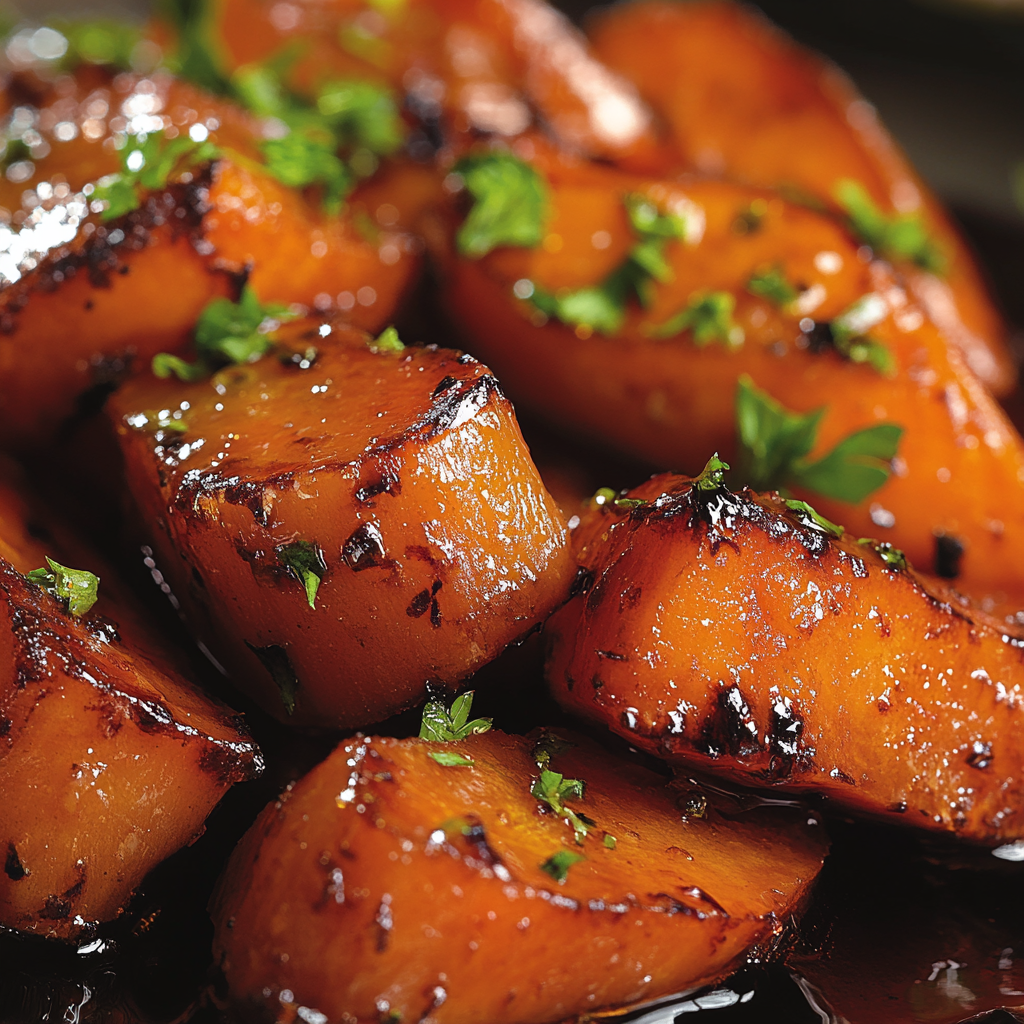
(386, 883)
(742, 100)
(347, 527)
(85, 298)
(744, 635)
(480, 65)
(110, 760)
(668, 394)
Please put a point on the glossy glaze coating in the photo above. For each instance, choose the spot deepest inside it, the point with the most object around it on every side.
(408, 473)
(83, 301)
(961, 463)
(470, 65)
(416, 889)
(110, 760)
(721, 631)
(745, 102)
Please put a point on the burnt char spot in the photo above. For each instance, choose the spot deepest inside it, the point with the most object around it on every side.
(435, 608)
(949, 550)
(12, 865)
(277, 663)
(582, 583)
(730, 727)
(387, 481)
(611, 656)
(446, 383)
(840, 776)
(365, 548)
(458, 402)
(227, 765)
(5, 726)
(980, 755)
(819, 338)
(153, 716)
(384, 923)
(418, 605)
(58, 908)
(785, 731)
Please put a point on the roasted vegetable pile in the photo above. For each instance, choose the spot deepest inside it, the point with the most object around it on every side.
(274, 279)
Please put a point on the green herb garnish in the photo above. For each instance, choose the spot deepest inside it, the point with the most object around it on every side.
(510, 203)
(362, 115)
(899, 236)
(610, 841)
(275, 660)
(774, 444)
(547, 747)
(708, 317)
(450, 760)
(197, 57)
(712, 476)
(558, 864)
(226, 333)
(850, 334)
(387, 341)
(101, 41)
(449, 726)
(300, 159)
(554, 789)
(771, 284)
(812, 518)
(76, 588)
(892, 557)
(602, 307)
(147, 163)
(306, 563)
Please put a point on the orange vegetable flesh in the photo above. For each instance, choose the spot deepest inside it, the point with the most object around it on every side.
(384, 882)
(406, 471)
(110, 761)
(486, 65)
(94, 299)
(742, 100)
(724, 632)
(671, 401)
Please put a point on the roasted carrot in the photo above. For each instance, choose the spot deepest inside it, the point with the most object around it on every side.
(747, 636)
(742, 100)
(386, 882)
(349, 526)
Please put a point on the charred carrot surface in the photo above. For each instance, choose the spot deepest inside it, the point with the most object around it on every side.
(742, 100)
(461, 891)
(749, 285)
(348, 525)
(87, 292)
(744, 635)
(110, 761)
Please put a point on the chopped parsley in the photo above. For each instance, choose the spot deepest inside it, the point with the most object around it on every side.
(892, 557)
(387, 341)
(775, 442)
(275, 660)
(147, 163)
(610, 841)
(712, 476)
(708, 317)
(449, 726)
(362, 115)
(101, 41)
(602, 307)
(605, 497)
(301, 159)
(510, 203)
(76, 588)
(226, 333)
(809, 517)
(554, 789)
(306, 563)
(850, 334)
(448, 759)
(547, 747)
(899, 236)
(558, 864)
(196, 58)
(772, 285)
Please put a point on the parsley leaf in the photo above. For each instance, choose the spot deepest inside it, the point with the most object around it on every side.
(227, 332)
(554, 789)
(708, 317)
(147, 163)
(362, 115)
(300, 159)
(547, 747)
(558, 864)
(510, 203)
(76, 588)
(196, 57)
(809, 517)
(850, 337)
(101, 41)
(900, 236)
(387, 341)
(771, 284)
(774, 444)
(306, 562)
(712, 476)
(449, 726)
(447, 759)
(610, 841)
(893, 558)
